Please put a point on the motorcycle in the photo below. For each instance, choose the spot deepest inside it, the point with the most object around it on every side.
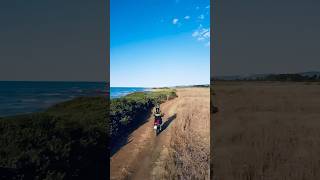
(157, 125)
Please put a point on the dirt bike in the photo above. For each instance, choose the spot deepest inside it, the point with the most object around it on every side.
(157, 125)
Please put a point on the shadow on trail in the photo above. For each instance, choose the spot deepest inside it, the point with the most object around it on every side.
(122, 141)
(168, 122)
(127, 138)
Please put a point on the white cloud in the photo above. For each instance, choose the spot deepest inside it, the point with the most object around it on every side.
(206, 34)
(200, 38)
(202, 34)
(207, 7)
(175, 21)
(201, 16)
(187, 17)
(195, 34)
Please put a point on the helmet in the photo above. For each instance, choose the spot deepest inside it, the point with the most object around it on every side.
(157, 108)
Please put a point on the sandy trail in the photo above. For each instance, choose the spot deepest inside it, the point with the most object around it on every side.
(137, 158)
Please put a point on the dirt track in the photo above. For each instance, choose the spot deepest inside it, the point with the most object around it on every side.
(135, 159)
(146, 155)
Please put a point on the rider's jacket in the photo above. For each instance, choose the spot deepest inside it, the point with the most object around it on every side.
(158, 117)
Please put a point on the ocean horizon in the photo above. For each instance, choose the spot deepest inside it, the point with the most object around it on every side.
(22, 97)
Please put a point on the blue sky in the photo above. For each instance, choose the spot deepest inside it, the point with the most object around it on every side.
(158, 43)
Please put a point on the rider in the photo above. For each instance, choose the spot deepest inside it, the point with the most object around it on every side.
(158, 115)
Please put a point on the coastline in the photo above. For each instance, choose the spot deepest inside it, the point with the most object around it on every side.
(24, 97)
(65, 131)
(117, 92)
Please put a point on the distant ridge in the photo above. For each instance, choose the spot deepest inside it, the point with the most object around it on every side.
(308, 75)
(187, 86)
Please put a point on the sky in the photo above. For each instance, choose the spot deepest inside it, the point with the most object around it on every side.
(275, 36)
(156, 43)
(58, 40)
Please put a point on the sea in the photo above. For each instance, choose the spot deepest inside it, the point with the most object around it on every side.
(116, 92)
(21, 97)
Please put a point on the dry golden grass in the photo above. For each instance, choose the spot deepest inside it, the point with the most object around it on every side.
(189, 152)
(266, 131)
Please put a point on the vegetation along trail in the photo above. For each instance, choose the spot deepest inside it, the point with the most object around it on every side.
(166, 156)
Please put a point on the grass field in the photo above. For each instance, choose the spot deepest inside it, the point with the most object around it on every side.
(266, 130)
(189, 154)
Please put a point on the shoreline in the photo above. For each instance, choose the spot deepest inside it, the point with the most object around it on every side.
(124, 91)
(44, 109)
(22, 97)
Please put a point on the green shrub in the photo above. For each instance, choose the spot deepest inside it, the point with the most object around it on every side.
(68, 141)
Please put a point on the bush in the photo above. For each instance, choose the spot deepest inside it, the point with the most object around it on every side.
(68, 141)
